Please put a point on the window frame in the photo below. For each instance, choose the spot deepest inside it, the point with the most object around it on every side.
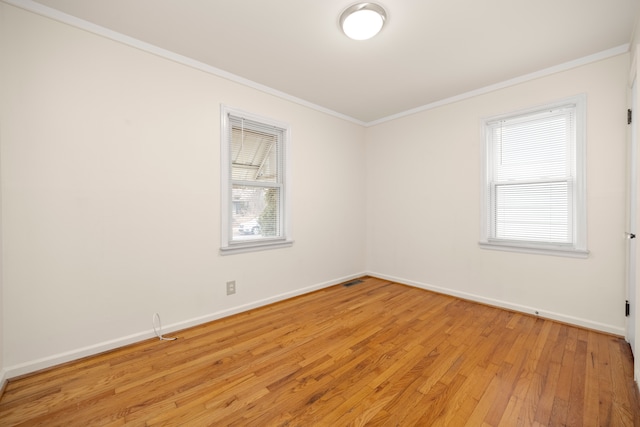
(228, 245)
(578, 208)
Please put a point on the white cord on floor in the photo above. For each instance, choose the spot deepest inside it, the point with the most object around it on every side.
(159, 334)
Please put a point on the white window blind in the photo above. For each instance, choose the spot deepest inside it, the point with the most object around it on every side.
(256, 172)
(254, 182)
(533, 189)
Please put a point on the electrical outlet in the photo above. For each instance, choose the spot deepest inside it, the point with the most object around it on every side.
(231, 287)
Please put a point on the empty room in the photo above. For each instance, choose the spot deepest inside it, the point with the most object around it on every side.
(251, 213)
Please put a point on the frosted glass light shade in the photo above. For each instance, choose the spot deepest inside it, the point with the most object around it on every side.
(362, 21)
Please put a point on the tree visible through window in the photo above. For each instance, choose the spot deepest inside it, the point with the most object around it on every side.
(254, 181)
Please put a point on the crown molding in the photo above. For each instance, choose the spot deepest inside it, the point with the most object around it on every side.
(57, 15)
(48, 12)
(609, 53)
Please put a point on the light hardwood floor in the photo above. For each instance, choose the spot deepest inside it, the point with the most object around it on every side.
(376, 353)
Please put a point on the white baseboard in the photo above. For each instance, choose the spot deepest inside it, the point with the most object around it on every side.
(57, 359)
(585, 323)
(3, 380)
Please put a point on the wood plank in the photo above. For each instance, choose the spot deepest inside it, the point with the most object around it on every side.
(377, 353)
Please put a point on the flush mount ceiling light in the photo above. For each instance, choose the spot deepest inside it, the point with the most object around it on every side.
(362, 20)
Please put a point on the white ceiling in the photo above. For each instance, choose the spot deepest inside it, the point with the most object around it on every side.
(430, 50)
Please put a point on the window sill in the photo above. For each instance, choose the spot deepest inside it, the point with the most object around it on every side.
(254, 247)
(533, 249)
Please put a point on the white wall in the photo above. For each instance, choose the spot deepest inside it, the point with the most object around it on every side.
(2, 112)
(423, 203)
(110, 187)
(109, 174)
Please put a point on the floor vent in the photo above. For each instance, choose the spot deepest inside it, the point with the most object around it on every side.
(351, 283)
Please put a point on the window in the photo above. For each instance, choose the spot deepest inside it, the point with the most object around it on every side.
(255, 190)
(534, 180)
